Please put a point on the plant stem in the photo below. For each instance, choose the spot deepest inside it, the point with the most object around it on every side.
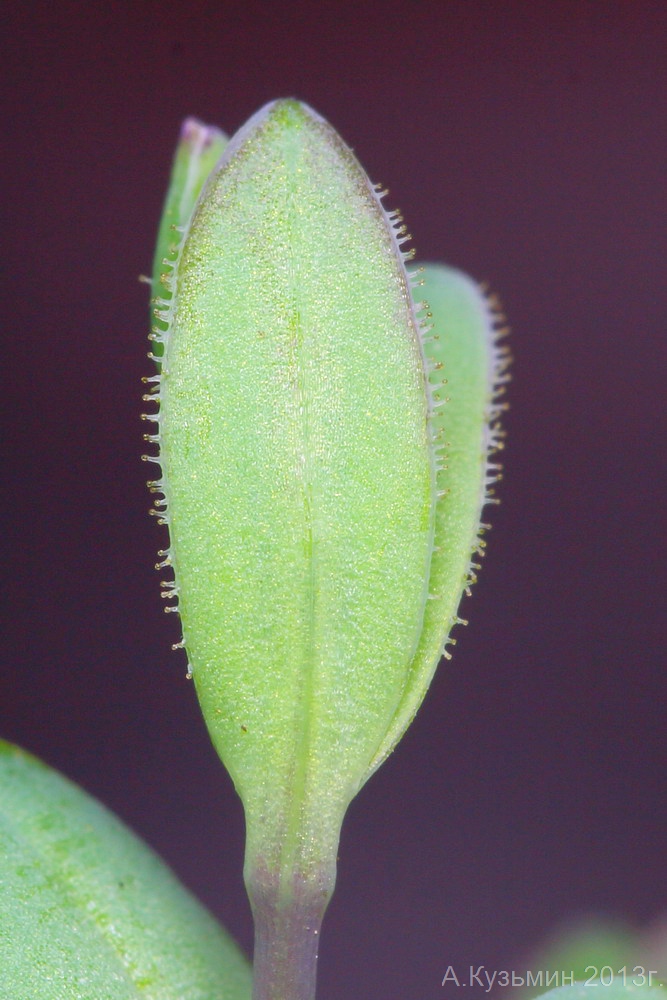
(287, 933)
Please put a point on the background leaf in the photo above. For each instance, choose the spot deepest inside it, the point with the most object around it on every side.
(88, 912)
(596, 991)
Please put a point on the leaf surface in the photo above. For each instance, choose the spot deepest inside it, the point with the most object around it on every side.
(88, 912)
(298, 473)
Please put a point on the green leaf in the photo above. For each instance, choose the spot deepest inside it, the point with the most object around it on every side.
(88, 912)
(467, 372)
(598, 991)
(199, 149)
(603, 951)
(299, 475)
(585, 946)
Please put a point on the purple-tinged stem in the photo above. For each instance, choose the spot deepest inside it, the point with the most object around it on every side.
(287, 934)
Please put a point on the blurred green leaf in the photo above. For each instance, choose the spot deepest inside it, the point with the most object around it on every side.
(597, 991)
(88, 912)
(595, 949)
(587, 944)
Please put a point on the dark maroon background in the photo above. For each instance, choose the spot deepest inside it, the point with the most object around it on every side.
(524, 143)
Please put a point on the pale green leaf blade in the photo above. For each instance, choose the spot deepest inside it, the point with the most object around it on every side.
(298, 471)
(462, 350)
(88, 912)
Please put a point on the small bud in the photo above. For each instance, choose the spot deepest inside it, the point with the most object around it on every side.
(323, 493)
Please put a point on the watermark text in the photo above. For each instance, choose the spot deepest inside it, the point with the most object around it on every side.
(547, 979)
